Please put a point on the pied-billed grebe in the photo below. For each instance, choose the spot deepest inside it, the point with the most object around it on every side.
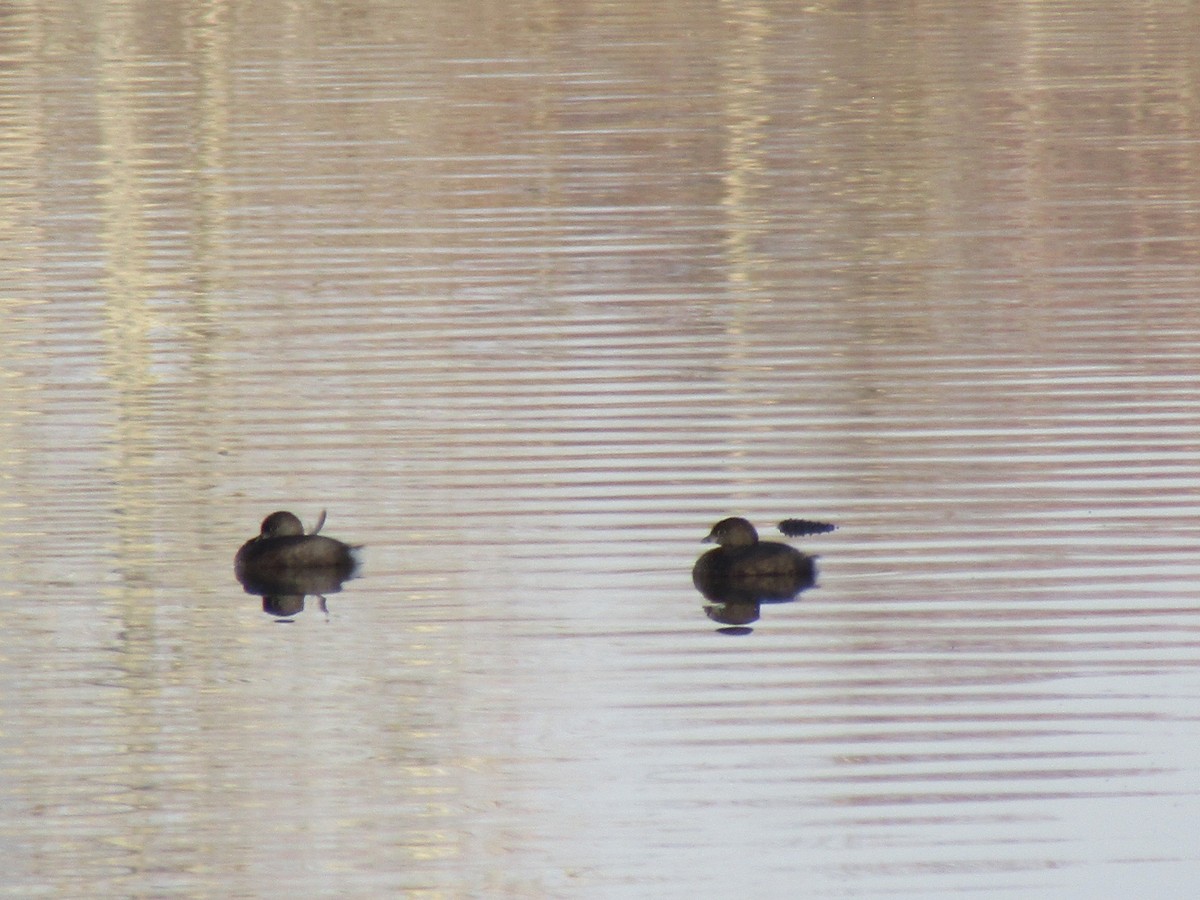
(741, 555)
(282, 550)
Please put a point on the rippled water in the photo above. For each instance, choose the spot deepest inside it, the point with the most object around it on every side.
(527, 298)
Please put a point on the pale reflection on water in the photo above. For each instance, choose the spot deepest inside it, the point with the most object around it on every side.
(528, 305)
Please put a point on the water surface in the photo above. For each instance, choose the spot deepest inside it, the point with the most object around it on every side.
(527, 299)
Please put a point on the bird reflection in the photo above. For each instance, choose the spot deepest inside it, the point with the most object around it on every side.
(284, 565)
(742, 572)
(284, 595)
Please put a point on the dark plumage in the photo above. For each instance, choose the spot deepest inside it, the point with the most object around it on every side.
(742, 555)
(745, 570)
(282, 552)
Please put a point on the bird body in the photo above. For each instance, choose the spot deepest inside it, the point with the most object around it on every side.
(745, 567)
(283, 549)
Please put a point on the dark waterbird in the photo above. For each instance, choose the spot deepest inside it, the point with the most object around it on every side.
(283, 559)
(741, 555)
(744, 572)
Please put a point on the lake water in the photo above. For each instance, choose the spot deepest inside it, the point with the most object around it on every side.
(527, 296)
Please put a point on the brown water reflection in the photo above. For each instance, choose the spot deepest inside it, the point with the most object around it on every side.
(531, 297)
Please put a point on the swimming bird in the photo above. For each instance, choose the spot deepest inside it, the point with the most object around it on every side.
(741, 555)
(282, 552)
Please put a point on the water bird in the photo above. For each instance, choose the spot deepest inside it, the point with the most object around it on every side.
(282, 554)
(742, 573)
(740, 556)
